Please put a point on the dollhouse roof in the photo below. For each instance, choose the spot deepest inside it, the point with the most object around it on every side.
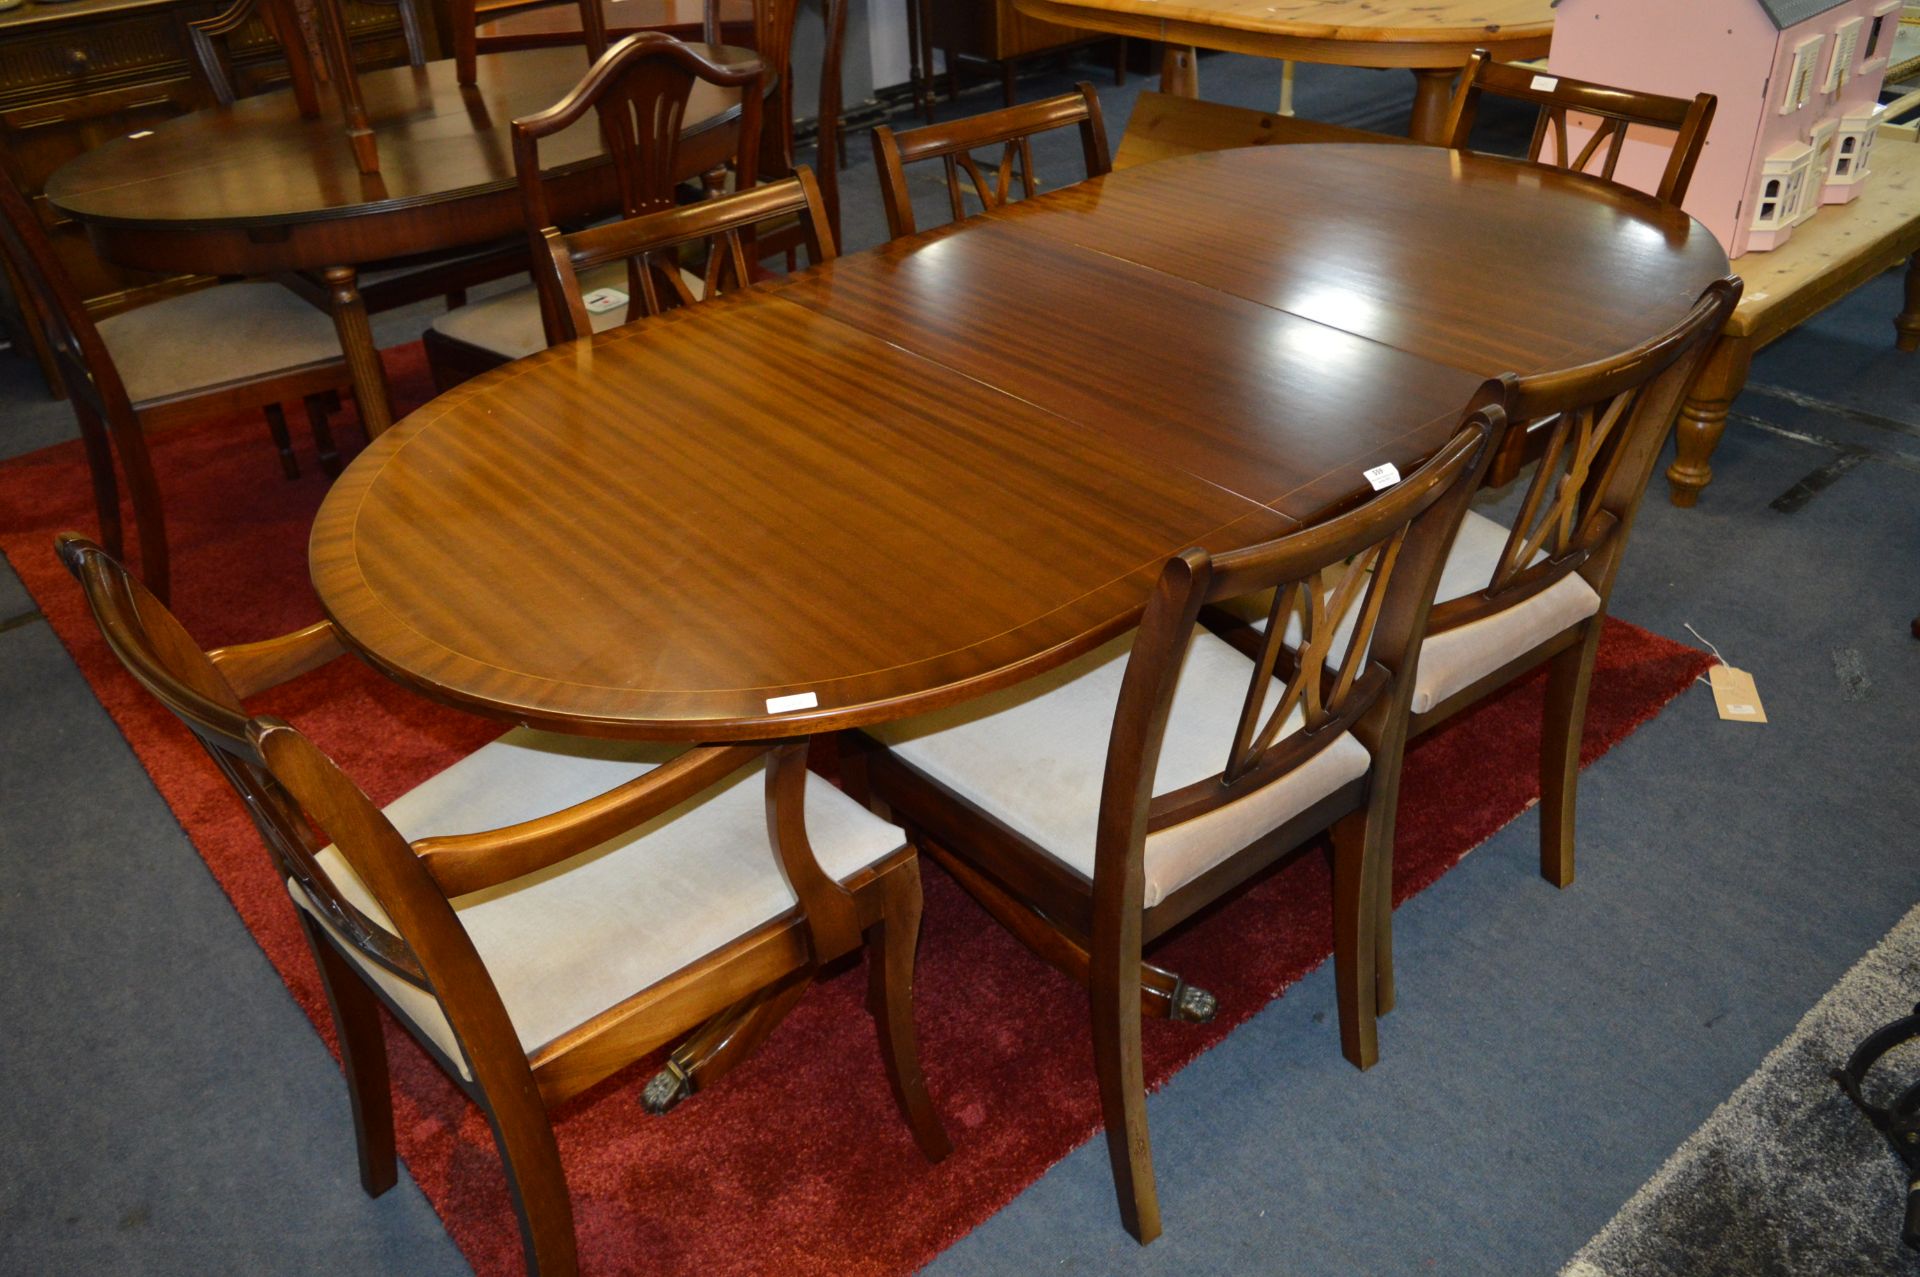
(1790, 13)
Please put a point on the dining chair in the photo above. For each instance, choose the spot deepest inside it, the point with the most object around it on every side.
(187, 357)
(465, 21)
(382, 286)
(648, 249)
(549, 909)
(1609, 112)
(1089, 810)
(639, 90)
(953, 143)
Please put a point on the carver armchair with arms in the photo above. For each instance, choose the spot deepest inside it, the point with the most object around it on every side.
(1011, 128)
(625, 895)
(639, 91)
(1088, 810)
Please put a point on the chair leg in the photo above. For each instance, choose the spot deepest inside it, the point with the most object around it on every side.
(1121, 1070)
(149, 523)
(277, 427)
(537, 1184)
(891, 943)
(363, 1054)
(323, 434)
(1568, 676)
(1356, 916)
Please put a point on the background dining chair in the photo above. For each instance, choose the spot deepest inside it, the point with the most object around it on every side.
(465, 21)
(1610, 113)
(639, 90)
(1088, 810)
(382, 286)
(952, 143)
(649, 246)
(225, 349)
(631, 893)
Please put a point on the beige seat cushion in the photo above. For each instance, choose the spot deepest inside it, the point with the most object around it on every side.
(1458, 658)
(509, 324)
(571, 941)
(1034, 756)
(214, 337)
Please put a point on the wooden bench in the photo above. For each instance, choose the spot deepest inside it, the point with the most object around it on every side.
(1840, 249)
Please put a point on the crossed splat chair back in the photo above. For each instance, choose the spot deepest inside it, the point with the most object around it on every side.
(1094, 808)
(533, 960)
(639, 91)
(1608, 112)
(1012, 129)
(723, 228)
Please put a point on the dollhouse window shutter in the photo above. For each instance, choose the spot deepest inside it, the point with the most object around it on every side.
(1800, 79)
(1846, 41)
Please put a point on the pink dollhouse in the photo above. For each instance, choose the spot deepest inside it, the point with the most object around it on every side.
(1798, 83)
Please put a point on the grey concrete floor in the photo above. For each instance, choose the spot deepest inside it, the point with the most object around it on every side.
(169, 1109)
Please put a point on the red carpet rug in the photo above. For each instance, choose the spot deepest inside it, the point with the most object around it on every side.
(797, 1163)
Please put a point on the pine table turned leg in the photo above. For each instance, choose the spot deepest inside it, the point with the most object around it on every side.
(1180, 70)
(1703, 418)
(1432, 95)
(1907, 322)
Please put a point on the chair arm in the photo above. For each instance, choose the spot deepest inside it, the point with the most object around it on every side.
(252, 668)
(463, 863)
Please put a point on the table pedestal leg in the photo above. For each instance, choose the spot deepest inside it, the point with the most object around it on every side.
(1432, 94)
(1907, 323)
(1180, 70)
(356, 342)
(1703, 417)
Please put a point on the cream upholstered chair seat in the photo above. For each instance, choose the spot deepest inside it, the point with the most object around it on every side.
(509, 324)
(567, 943)
(207, 338)
(1458, 658)
(1034, 756)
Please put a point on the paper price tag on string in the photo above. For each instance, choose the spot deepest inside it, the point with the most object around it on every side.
(603, 299)
(1735, 695)
(1382, 476)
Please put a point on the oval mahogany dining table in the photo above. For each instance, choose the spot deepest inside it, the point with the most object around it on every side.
(922, 472)
(258, 189)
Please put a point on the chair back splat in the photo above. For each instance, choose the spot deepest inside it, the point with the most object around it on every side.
(953, 144)
(1609, 112)
(639, 90)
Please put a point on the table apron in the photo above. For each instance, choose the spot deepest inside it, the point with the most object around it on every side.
(1416, 54)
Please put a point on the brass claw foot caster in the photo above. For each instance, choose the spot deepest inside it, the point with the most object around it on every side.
(665, 1090)
(1193, 1004)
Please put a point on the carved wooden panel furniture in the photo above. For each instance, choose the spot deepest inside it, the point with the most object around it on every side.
(918, 475)
(1431, 38)
(630, 894)
(256, 189)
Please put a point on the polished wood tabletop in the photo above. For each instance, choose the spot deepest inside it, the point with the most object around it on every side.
(1432, 38)
(256, 188)
(940, 467)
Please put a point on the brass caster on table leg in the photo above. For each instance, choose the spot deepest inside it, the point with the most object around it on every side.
(666, 1089)
(1193, 1004)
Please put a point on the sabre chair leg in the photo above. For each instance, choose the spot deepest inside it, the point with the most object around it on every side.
(282, 441)
(106, 484)
(1356, 918)
(1121, 1071)
(1569, 675)
(524, 1136)
(363, 1055)
(891, 944)
(317, 410)
(149, 520)
(723, 1042)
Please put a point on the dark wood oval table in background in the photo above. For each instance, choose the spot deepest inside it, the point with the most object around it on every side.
(940, 467)
(256, 188)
